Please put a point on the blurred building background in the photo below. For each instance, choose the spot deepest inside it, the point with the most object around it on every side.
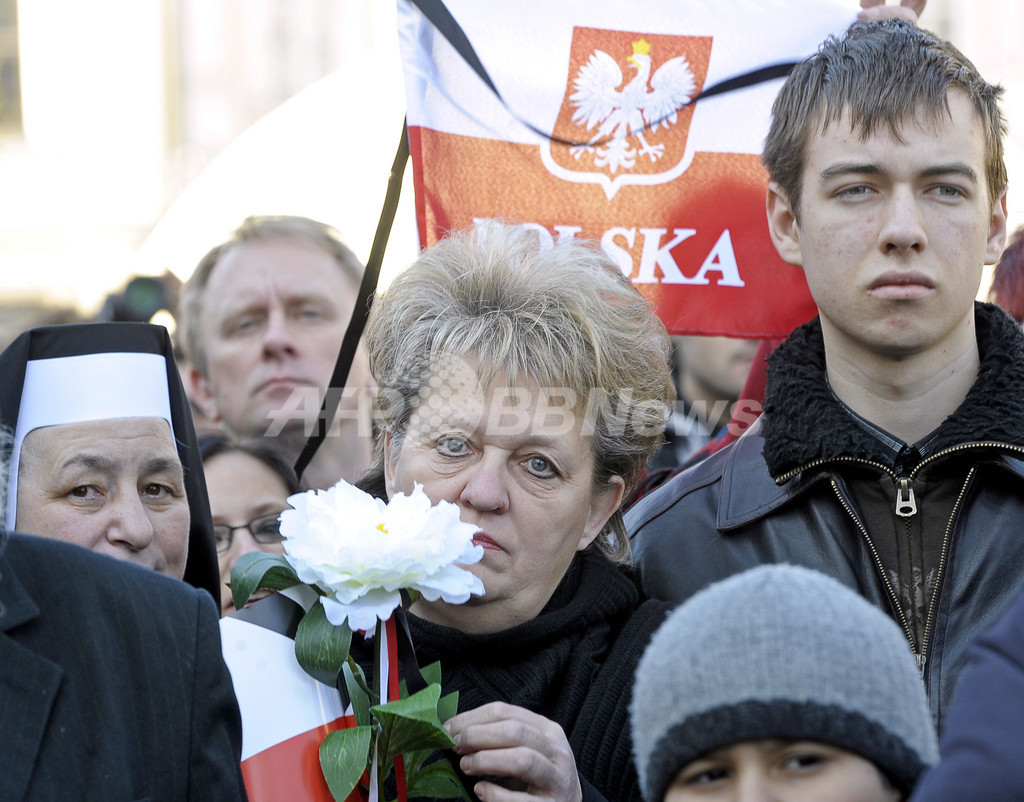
(135, 134)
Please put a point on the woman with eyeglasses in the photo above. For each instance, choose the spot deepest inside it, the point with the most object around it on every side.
(249, 484)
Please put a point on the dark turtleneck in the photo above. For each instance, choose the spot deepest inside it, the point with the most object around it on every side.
(573, 663)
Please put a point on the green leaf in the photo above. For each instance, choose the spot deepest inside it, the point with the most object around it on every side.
(447, 706)
(432, 673)
(321, 647)
(360, 677)
(343, 758)
(257, 570)
(436, 780)
(414, 762)
(412, 723)
(358, 693)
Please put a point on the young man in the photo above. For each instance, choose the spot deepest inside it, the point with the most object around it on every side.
(263, 317)
(889, 453)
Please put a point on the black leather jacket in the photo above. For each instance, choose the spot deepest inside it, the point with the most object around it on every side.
(728, 514)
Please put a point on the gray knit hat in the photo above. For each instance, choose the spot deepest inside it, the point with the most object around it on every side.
(784, 652)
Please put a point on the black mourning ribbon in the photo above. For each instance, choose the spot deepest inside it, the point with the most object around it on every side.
(442, 19)
(364, 300)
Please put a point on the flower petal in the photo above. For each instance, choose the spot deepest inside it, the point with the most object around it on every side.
(362, 552)
(367, 610)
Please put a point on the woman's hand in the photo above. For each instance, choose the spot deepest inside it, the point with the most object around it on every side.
(909, 10)
(505, 741)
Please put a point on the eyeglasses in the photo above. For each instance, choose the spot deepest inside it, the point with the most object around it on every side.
(264, 529)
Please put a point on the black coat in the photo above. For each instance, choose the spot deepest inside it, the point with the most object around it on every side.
(728, 513)
(112, 684)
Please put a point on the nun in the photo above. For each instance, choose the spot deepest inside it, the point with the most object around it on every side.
(105, 453)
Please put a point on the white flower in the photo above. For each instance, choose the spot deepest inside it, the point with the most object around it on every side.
(361, 552)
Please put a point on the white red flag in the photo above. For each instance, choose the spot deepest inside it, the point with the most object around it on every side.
(679, 205)
(286, 714)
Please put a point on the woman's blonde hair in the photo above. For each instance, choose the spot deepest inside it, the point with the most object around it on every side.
(563, 317)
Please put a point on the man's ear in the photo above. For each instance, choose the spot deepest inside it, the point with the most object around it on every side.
(202, 395)
(997, 231)
(783, 226)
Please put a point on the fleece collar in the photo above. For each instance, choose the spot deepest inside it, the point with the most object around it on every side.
(803, 421)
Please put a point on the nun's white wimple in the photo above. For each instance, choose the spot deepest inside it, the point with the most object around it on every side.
(75, 389)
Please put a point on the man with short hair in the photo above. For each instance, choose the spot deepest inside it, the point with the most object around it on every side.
(889, 454)
(263, 318)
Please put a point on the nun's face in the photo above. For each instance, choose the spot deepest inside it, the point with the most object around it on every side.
(112, 486)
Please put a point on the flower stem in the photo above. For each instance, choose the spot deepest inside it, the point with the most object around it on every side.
(381, 685)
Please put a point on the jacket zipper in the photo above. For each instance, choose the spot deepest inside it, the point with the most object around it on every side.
(906, 506)
(906, 503)
(1018, 450)
(890, 591)
(946, 537)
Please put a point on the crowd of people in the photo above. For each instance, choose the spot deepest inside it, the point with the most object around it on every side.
(830, 607)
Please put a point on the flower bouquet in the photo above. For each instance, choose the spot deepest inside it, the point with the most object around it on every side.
(354, 558)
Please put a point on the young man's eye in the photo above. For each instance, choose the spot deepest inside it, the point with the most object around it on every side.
(854, 192)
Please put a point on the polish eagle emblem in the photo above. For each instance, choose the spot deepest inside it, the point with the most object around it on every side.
(648, 101)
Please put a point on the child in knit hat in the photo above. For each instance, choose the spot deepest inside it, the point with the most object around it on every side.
(779, 683)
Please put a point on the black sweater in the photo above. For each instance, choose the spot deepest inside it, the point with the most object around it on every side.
(573, 663)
